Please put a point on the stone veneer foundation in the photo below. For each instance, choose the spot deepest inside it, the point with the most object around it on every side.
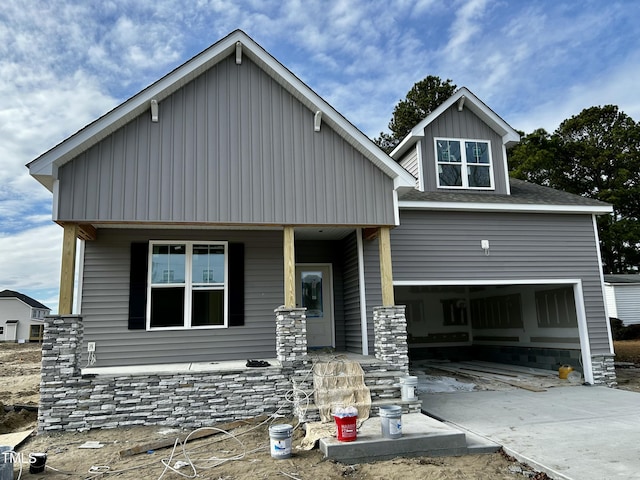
(604, 371)
(71, 401)
(390, 330)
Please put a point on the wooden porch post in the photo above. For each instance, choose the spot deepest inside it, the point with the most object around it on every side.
(67, 271)
(289, 268)
(386, 271)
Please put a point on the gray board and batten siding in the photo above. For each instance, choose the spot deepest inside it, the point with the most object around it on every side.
(445, 247)
(234, 147)
(465, 125)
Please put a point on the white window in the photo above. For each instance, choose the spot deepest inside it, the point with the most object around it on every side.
(187, 285)
(463, 163)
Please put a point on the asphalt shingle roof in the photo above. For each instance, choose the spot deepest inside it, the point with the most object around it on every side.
(25, 298)
(521, 193)
(622, 278)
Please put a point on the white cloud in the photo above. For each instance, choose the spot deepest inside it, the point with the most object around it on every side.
(468, 24)
(31, 260)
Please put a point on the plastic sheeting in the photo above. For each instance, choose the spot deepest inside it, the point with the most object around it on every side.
(339, 384)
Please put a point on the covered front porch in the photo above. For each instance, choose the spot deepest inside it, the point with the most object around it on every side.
(323, 279)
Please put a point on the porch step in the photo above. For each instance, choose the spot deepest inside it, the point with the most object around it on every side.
(383, 383)
(312, 412)
(421, 436)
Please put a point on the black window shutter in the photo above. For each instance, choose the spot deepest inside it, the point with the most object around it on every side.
(236, 284)
(138, 286)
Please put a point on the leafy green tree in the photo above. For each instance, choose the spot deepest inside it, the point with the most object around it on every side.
(595, 154)
(423, 98)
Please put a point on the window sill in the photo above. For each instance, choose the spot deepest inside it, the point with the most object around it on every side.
(172, 368)
(185, 329)
(449, 187)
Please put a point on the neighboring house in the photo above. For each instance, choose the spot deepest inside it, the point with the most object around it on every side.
(21, 317)
(227, 212)
(623, 297)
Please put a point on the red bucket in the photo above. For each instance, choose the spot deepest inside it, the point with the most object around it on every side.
(346, 428)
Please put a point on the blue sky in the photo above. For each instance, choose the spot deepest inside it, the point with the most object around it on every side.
(65, 63)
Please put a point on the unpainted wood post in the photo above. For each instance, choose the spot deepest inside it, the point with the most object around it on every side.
(289, 268)
(68, 268)
(386, 271)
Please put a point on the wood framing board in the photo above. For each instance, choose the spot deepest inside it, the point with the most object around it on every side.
(535, 380)
(15, 439)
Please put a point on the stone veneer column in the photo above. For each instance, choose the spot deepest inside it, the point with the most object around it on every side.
(61, 349)
(390, 330)
(604, 372)
(291, 335)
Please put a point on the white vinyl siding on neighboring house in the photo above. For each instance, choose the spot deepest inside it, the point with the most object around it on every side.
(623, 302)
(463, 163)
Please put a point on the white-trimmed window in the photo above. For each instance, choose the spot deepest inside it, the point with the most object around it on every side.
(463, 163)
(187, 285)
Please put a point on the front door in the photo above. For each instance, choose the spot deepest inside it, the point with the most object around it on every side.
(314, 291)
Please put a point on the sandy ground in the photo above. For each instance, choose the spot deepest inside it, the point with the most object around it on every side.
(242, 452)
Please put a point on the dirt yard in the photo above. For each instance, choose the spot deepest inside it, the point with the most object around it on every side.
(243, 452)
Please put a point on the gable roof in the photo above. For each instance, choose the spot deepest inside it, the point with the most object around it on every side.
(24, 298)
(44, 168)
(467, 100)
(524, 197)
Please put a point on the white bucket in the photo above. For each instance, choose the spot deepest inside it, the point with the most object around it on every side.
(391, 421)
(409, 384)
(280, 436)
(6, 463)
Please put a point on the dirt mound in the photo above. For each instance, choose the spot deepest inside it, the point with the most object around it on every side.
(13, 421)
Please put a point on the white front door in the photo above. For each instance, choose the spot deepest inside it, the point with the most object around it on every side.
(314, 291)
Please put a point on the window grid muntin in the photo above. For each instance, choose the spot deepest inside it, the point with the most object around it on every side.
(188, 284)
(463, 164)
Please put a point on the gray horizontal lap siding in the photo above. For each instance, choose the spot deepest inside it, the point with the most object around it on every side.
(232, 146)
(373, 288)
(465, 124)
(445, 246)
(352, 329)
(105, 302)
(410, 163)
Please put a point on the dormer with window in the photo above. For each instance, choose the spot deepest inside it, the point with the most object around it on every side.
(460, 146)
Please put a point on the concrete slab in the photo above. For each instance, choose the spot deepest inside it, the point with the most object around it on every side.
(579, 432)
(421, 435)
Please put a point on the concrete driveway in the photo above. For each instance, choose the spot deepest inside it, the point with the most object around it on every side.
(573, 432)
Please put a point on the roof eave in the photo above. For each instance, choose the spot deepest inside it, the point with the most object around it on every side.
(509, 136)
(504, 207)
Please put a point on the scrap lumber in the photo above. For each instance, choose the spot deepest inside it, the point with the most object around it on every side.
(15, 439)
(483, 373)
(165, 443)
